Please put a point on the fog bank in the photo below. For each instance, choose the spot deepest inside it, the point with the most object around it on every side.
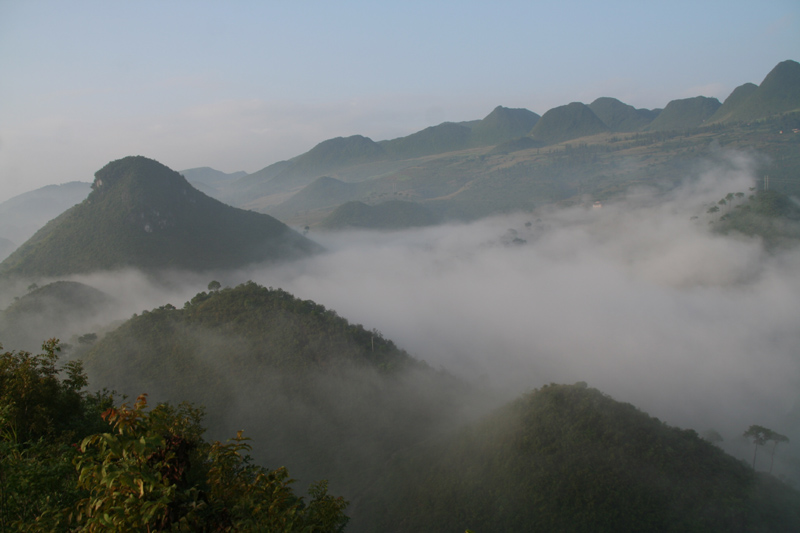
(637, 298)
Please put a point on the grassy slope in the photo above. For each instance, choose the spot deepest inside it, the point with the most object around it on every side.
(684, 114)
(393, 214)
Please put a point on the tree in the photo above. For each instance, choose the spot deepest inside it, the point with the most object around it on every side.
(776, 438)
(214, 285)
(154, 472)
(139, 469)
(760, 436)
(41, 414)
(712, 436)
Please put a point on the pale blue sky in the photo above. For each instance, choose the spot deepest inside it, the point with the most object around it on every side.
(240, 85)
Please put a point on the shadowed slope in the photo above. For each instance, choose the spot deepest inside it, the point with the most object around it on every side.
(142, 214)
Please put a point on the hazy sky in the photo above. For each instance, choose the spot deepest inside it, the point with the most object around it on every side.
(240, 85)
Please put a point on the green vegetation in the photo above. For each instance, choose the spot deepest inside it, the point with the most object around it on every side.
(483, 167)
(394, 214)
(561, 458)
(684, 114)
(567, 122)
(770, 215)
(57, 307)
(332, 399)
(503, 124)
(70, 461)
(569, 458)
(732, 102)
(778, 93)
(760, 436)
(621, 117)
(142, 214)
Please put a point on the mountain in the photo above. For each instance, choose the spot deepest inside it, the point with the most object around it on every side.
(451, 170)
(391, 215)
(684, 114)
(567, 122)
(357, 158)
(23, 215)
(445, 137)
(6, 247)
(622, 117)
(503, 124)
(570, 458)
(732, 102)
(60, 308)
(330, 155)
(143, 215)
(778, 93)
(331, 398)
(322, 193)
(210, 181)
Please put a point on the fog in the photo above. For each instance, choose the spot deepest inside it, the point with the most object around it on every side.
(638, 298)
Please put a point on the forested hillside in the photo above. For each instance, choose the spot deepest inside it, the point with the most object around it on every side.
(570, 458)
(141, 214)
(330, 398)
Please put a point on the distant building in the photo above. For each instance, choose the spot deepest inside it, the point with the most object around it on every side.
(597, 205)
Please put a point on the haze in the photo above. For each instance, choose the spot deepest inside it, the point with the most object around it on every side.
(241, 85)
(638, 298)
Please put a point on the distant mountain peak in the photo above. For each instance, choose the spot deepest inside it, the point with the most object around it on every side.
(567, 122)
(132, 167)
(145, 215)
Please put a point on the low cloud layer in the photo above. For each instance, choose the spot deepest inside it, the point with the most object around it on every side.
(638, 298)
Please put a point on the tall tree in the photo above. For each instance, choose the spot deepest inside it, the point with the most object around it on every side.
(759, 435)
(776, 438)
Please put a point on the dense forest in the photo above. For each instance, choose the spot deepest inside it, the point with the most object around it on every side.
(402, 445)
(72, 461)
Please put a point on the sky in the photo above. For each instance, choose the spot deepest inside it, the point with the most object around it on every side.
(241, 85)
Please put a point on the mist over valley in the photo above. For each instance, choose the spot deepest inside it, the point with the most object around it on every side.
(555, 322)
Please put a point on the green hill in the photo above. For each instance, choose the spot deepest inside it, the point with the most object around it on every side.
(334, 153)
(503, 124)
(60, 308)
(391, 215)
(567, 122)
(143, 215)
(733, 102)
(570, 458)
(324, 192)
(516, 145)
(770, 215)
(210, 181)
(622, 117)
(445, 137)
(684, 114)
(331, 398)
(324, 159)
(778, 93)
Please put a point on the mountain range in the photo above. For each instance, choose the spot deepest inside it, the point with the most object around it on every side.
(144, 215)
(445, 167)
